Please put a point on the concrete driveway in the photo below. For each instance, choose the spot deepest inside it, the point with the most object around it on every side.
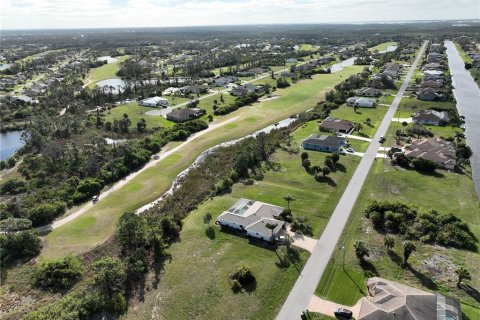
(328, 308)
(302, 241)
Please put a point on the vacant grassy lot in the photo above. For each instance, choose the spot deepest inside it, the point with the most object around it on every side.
(466, 58)
(409, 105)
(107, 71)
(438, 131)
(432, 267)
(306, 47)
(185, 294)
(383, 46)
(98, 224)
(361, 115)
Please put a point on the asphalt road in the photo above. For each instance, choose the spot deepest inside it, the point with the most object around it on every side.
(303, 290)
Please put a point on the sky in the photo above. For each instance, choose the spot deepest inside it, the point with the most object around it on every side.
(60, 14)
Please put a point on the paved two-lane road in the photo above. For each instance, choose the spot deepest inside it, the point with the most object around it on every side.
(304, 288)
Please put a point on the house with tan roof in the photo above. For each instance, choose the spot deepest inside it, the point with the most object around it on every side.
(389, 300)
(336, 125)
(439, 151)
(430, 117)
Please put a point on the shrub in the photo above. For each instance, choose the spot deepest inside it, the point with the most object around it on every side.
(58, 274)
(19, 245)
(241, 277)
(13, 186)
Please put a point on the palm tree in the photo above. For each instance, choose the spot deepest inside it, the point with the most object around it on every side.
(462, 274)
(361, 251)
(207, 218)
(404, 125)
(288, 198)
(408, 249)
(389, 242)
(358, 127)
(272, 227)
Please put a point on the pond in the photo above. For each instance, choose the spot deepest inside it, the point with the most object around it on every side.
(389, 49)
(116, 84)
(4, 66)
(108, 58)
(345, 63)
(9, 143)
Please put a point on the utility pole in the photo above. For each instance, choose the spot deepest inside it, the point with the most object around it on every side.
(343, 260)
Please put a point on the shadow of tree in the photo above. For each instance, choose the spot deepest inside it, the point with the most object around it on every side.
(368, 266)
(395, 257)
(340, 167)
(356, 284)
(250, 286)
(424, 279)
(210, 233)
(471, 291)
(327, 180)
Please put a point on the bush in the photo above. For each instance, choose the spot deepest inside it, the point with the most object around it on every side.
(58, 274)
(20, 245)
(13, 186)
(424, 165)
(46, 213)
(241, 277)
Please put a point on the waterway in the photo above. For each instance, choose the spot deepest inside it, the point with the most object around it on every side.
(467, 95)
(10, 142)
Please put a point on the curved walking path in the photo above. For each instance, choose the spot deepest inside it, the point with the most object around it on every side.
(162, 155)
(299, 298)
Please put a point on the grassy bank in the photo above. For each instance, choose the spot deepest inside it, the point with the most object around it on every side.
(107, 71)
(432, 267)
(97, 224)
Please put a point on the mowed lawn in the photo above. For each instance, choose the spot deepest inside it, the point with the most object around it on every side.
(185, 294)
(375, 114)
(98, 224)
(433, 267)
(194, 284)
(107, 71)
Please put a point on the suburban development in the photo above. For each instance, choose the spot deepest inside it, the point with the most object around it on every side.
(241, 170)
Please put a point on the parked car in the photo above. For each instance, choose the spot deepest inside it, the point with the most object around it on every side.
(350, 150)
(95, 198)
(156, 157)
(343, 314)
(382, 139)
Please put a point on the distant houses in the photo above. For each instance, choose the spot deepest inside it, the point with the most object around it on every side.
(332, 124)
(432, 86)
(253, 218)
(362, 102)
(181, 115)
(437, 150)
(154, 102)
(324, 143)
(223, 81)
(430, 117)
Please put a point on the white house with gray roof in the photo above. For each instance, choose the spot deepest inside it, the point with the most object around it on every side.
(252, 217)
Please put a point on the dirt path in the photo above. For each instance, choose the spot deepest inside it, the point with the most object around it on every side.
(162, 155)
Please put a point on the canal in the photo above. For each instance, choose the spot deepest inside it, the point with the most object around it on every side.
(467, 95)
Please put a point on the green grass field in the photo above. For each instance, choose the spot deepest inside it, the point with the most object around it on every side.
(75, 237)
(466, 58)
(306, 47)
(448, 193)
(217, 256)
(107, 71)
(383, 46)
(375, 114)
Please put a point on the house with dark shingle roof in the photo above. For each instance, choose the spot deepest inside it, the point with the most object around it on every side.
(325, 143)
(181, 115)
(336, 125)
(252, 217)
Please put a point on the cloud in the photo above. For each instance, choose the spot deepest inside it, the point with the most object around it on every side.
(25, 14)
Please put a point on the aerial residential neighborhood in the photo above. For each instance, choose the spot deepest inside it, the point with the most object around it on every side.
(296, 160)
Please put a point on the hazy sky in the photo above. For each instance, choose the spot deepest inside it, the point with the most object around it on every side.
(35, 14)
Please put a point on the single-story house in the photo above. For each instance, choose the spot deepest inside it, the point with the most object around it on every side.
(392, 300)
(369, 92)
(325, 143)
(430, 117)
(433, 66)
(154, 102)
(430, 94)
(252, 217)
(361, 102)
(242, 90)
(336, 125)
(439, 151)
(181, 115)
(223, 81)
(431, 84)
(171, 90)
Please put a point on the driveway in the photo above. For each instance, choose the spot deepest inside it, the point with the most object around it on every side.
(328, 308)
(407, 120)
(303, 290)
(302, 241)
